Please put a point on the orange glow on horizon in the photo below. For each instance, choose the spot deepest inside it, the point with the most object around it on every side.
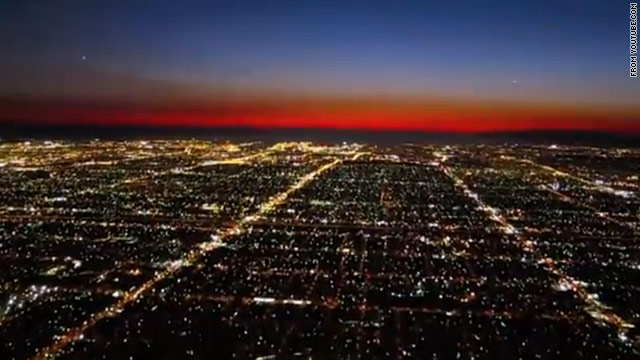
(434, 117)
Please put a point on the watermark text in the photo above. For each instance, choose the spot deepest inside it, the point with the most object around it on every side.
(633, 40)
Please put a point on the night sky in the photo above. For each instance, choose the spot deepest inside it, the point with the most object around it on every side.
(405, 65)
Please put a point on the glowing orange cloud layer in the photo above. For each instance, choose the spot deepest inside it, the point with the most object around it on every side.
(330, 114)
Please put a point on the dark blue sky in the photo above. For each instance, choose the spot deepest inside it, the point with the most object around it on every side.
(563, 47)
(543, 52)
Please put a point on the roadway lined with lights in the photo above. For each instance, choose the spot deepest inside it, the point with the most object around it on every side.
(560, 173)
(590, 183)
(597, 310)
(233, 161)
(192, 256)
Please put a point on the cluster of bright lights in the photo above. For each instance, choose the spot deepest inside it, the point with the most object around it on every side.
(598, 311)
(198, 252)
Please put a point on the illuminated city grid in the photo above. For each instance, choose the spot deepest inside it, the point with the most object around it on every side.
(219, 250)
